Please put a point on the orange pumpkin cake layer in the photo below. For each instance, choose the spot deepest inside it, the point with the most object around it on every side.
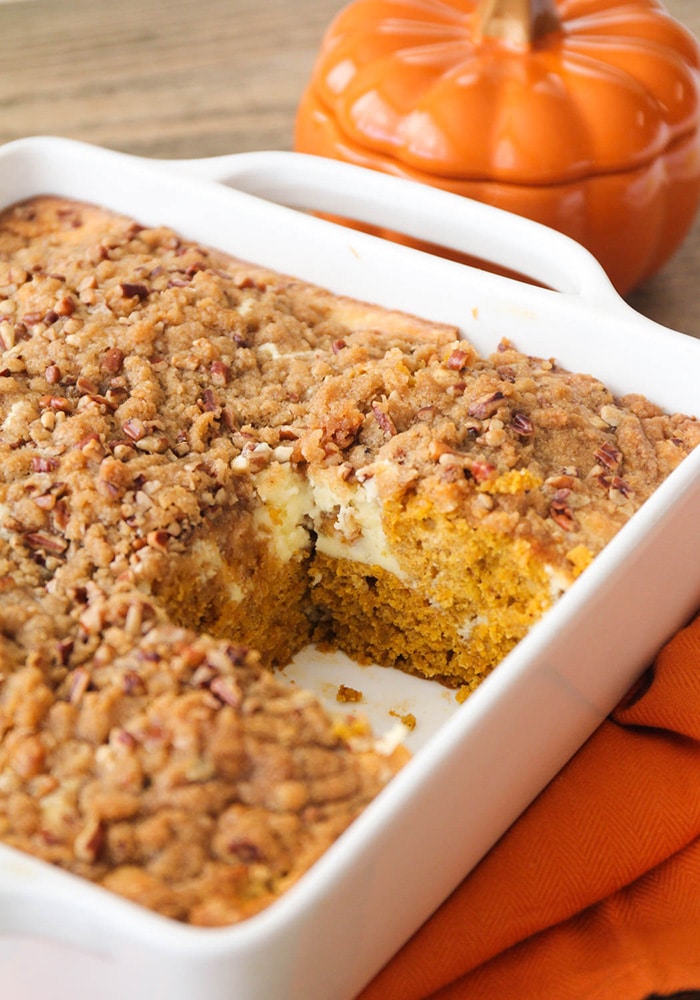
(205, 466)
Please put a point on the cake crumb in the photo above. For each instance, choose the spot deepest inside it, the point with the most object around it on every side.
(407, 719)
(348, 694)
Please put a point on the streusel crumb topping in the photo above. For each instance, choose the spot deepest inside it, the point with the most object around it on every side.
(145, 381)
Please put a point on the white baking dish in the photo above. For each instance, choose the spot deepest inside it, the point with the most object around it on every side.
(477, 765)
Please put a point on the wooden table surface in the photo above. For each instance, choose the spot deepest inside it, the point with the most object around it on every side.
(187, 79)
(190, 78)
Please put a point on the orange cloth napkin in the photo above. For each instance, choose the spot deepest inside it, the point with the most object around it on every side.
(594, 893)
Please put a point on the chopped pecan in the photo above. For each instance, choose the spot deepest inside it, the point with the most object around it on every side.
(288, 434)
(78, 683)
(89, 442)
(608, 455)
(245, 850)
(46, 501)
(158, 539)
(436, 450)
(612, 415)
(208, 403)
(426, 413)
(486, 405)
(226, 690)
(43, 464)
(32, 318)
(561, 482)
(134, 428)
(619, 490)
(383, 419)
(220, 373)
(153, 444)
(106, 401)
(59, 403)
(66, 306)
(481, 471)
(112, 360)
(61, 515)
(86, 386)
(131, 290)
(122, 450)
(45, 541)
(560, 510)
(132, 683)
(90, 840)
(522, 425)
(65, 648)
(458, 359)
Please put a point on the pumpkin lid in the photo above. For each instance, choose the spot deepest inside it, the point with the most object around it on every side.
(518, 91)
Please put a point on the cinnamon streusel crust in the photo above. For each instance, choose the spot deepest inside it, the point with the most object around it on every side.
(203, 467)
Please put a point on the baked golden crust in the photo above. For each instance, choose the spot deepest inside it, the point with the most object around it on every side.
(200, 458)
(174, 769)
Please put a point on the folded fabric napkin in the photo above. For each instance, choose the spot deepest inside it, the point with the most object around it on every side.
(594, 893)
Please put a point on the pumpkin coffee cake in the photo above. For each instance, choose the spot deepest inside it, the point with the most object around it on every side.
(206, 466)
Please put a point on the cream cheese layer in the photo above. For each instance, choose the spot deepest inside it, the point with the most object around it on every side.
(345, 520)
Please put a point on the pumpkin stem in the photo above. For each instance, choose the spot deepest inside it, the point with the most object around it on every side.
(518, 22)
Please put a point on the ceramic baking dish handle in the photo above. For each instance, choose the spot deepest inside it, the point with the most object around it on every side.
(420, 211)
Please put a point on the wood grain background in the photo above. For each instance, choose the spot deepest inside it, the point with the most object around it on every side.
(193, 78)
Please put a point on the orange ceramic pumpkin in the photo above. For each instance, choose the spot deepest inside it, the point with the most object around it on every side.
(581, 114)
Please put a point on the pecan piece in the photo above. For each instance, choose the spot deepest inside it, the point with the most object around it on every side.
(158, 539)
(246, 851)
(32, 318)
(64, 649)
(486, 405)
(66, 306)
(560, 511)
(132, 683)
(90, 840)
(522, 424)
(42, 464)
(226, 690)
(59, 403)
(383, 419)
(46, 501)
(438, 449)
(481, 471)
(78, 684)
(208, 403)
(91, 442)
(45, 541)
(112, 360)
(153, 444)
(619, 490)
(608, 455)
(61, 515)
(220, 373)
(131, 290)
(134, 428)
(458, 360)
(426, 413)
(86, 387)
